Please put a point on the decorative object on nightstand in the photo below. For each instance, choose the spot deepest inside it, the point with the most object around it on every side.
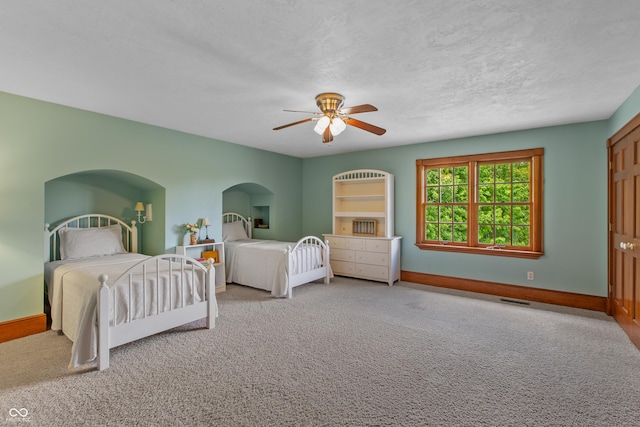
(193, 230)
(210, 255)
(206, 224)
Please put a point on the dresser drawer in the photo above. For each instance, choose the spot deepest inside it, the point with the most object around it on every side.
(379, 272)
(377, 246)
(342, 255)
(341, 267)
(356, 244)
(337, 242)
(375, 258)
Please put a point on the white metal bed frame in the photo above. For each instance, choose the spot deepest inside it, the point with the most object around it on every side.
(52, 242)
(307, 271)
(110, 336)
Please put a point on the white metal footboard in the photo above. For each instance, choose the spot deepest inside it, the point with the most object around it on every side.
(182, 275)
(304, 256)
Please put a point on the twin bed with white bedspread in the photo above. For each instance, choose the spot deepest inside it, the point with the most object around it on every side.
(271, 265)
(103, 294)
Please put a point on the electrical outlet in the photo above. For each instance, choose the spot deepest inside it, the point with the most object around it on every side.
(529, 275)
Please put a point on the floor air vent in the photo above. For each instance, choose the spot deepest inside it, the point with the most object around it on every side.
(512, 301)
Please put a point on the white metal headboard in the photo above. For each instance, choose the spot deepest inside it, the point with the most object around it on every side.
(235, 217)
(51, 241)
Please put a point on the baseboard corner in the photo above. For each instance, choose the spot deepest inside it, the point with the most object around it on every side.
(19, 328)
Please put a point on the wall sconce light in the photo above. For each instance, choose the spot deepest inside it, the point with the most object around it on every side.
(140, 208)
(206, 224)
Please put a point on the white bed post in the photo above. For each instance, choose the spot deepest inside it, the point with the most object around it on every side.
(103, 323)
(327, 264)
(47, 244)
(288, 270)
(134, 238)
(210, 292)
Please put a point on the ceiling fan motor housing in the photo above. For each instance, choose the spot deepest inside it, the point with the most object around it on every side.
(329, 102)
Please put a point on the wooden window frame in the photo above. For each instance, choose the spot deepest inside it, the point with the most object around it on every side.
(534, 155)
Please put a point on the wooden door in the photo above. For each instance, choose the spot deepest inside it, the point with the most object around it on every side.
(624, 235)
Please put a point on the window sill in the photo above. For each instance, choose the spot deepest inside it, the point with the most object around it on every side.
(480, 251)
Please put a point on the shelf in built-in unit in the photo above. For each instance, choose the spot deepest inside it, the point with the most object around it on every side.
(364, 187)
(367, 214)
(361, 181)
(363, 196)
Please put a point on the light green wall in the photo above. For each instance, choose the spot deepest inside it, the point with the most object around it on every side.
(40, 141)
(77, 194)
(628, 110)
(574, 206)
(236, 201)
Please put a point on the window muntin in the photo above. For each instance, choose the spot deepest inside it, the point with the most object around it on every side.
(481, 203)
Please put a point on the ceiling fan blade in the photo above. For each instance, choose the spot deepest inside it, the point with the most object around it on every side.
(364, 108)
(295, 123)
(364, 126)
(299, 111)
(327, 136)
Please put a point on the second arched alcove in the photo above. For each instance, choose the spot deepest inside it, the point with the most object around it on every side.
(251, 200)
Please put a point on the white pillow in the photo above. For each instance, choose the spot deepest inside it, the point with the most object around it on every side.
(232, 231)
(78, 243)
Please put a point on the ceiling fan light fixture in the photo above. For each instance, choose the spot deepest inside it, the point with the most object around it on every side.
(322, 125)
(333, 119)
(337, 126)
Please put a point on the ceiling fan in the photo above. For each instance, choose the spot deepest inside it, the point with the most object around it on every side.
(333, 119)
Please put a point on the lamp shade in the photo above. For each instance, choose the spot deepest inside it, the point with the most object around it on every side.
(322, 125)
(205, 222)
(337, 126)
(139, 207)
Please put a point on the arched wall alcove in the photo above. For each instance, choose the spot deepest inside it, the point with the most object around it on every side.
(251, 200)
(109, 192)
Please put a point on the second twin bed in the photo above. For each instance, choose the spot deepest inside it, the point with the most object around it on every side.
(271, 265)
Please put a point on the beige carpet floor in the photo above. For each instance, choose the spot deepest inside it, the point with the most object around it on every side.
(350, 353)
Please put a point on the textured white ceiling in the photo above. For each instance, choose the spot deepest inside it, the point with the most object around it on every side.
(436, 69)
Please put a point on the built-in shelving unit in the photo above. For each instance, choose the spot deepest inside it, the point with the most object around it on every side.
(361, 195)
(363, 243)
(260, 215)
